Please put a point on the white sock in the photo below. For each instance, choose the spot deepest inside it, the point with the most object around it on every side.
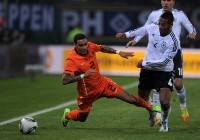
(182, 97)
(156, 98)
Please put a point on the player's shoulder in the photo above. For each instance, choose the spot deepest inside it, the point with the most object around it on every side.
(156, 12)
(91, 44)
(178, 12)
(72, 55)
(151, 26)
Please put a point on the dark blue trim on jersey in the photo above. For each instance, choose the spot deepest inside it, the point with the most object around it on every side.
(175, 42)
(159, 64)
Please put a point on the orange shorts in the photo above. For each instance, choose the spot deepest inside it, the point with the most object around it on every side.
(110, 90)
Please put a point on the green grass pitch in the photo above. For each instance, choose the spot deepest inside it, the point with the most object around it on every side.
(110, 119)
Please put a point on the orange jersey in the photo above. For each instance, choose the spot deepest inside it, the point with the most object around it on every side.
(76, 64)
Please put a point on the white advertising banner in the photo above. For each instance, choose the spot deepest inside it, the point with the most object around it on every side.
(112, 64)
(52, 59)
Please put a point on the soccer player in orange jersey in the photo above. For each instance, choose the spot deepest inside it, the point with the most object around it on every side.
(81, 66)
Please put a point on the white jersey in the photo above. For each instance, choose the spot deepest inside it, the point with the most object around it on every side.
(180, 19)
(160, 50)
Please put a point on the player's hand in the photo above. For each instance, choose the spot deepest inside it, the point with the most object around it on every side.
(131, 43)
(120, 36)
(191, 36)
(126, 54)
(139, 64)
(90, 72)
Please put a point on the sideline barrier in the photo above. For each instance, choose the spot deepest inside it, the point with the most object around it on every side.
(112, 64)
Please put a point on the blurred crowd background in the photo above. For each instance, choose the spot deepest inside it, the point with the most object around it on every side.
(25, 25)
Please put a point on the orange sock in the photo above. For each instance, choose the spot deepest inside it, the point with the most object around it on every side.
(72, 115)
(141, 102)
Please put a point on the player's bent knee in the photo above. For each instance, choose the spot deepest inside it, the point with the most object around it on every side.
(178, 84)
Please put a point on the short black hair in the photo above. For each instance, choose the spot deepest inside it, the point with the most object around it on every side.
(168, 16)
(78, 37)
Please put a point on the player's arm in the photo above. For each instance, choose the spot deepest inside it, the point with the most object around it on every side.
(188, 26)
(70, 72)
(68, 78)
(123, 54)
(132, 33)
(136, 38)
(68, 75)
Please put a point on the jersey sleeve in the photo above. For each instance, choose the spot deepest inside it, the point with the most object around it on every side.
(94, 47)
(186, 23)
(142, 31)
(69, 67)
(149, 19)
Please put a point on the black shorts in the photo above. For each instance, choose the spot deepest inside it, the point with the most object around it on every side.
(178, 65)
(150, 79)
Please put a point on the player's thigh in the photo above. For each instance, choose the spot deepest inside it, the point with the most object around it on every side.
(147, 80)
(164, 80)
(144, 93)
(111, 89)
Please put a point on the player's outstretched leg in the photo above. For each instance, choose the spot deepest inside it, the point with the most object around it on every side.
(142, 103)
(136, 100)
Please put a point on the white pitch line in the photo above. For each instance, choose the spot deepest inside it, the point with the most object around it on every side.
(38, 112)
(128, 86)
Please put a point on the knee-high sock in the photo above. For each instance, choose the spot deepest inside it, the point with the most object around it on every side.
(141, 102)
(72, 115)
(156, 98)
(182, 97)
(155, 101)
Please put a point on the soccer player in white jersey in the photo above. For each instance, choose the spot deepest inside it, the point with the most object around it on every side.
(157, 65)
(180, 20)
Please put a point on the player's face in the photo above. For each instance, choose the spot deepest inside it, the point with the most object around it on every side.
(167, 5)
(81, 46)
(164, 27)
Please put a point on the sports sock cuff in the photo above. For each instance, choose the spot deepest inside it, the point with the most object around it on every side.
(181, 91)
(72, 115)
